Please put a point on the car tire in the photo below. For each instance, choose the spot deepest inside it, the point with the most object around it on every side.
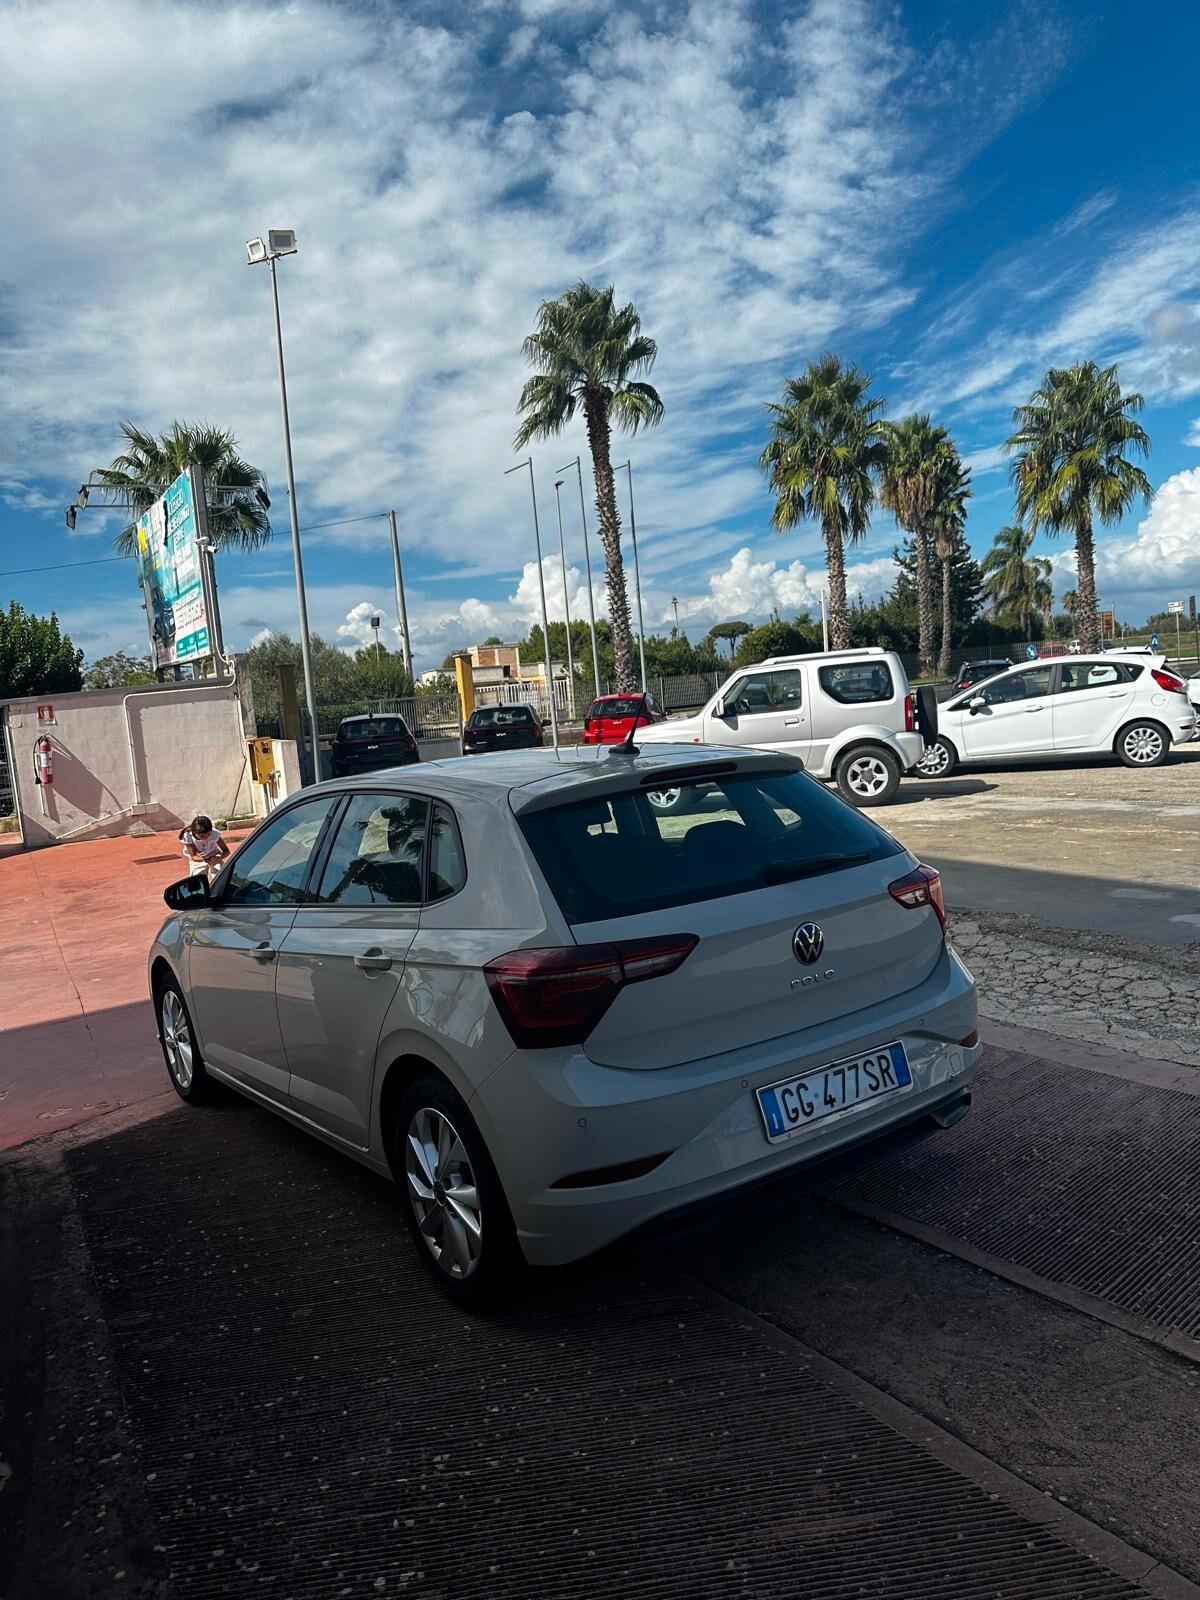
(181, 1052)
(664, 801)
(939, 760)
(867, 775)
(1143, 744)
(469, 1246)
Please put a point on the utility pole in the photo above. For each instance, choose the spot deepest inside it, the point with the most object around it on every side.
(587, 561)
(562, 551)
(675, 603)
(627, 466)
(537, 538)
(401, 607)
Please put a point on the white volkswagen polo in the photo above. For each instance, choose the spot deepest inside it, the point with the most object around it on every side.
(1129, 706)
(554, 1014)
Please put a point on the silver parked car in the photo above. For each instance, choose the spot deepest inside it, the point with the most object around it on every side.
(553, 1013)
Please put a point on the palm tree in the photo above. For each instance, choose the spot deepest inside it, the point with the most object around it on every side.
(1070, 468)
(947, 521)
(917, 458)
(588, 352)
(237, 516)
(1070, 602)
(1016, 584)
(826, 446)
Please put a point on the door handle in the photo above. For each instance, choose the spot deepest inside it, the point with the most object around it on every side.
(264, 952)
(373, 961)
(1030, 709)
(1116, 694)
(792, 722)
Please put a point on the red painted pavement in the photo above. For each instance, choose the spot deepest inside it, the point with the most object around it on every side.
(77, 1037)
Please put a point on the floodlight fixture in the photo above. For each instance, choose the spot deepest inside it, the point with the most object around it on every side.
(281, 241)
(71, 518)
(81, 499)
(263, 498)
(256, 251)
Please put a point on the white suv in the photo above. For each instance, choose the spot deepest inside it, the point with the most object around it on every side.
(846, 714)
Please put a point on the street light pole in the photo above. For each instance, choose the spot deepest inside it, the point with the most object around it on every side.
(401, 607)
(284, 243)
(562, 550)
(537, 539)
(637, 573)
(587, 561)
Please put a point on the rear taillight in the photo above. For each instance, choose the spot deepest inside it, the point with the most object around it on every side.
(923, 887)
(555, 997)
(910, 711)
(410, 743)
(1168, 681)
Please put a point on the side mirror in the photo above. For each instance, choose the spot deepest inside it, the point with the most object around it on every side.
(721, 709)
(979, 703)
(188, 893)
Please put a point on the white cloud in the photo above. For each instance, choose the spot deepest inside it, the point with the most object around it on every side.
(357, 626)
(1163, 557)
(746, 182)
(750, 589)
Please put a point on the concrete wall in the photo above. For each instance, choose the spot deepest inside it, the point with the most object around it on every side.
(152, 757)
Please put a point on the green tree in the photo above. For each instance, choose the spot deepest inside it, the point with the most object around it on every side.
(36, 657)
(237, 517)
(947, 522)
(590, 353)
(827, 442)
(1070, 602)
(333, 673)
(380, 674)
(451, 657)
(117, 671)
(918, 457)
(493, 638)
(1017, 585)
(729, 633)
(1070, 444)
(774, 638)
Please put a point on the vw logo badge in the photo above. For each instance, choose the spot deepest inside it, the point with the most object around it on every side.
(807, 943)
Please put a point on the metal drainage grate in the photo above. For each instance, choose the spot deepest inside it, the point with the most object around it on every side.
(1084, 1179)
(316, 1422)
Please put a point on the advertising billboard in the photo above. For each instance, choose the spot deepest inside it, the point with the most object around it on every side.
(172, 573)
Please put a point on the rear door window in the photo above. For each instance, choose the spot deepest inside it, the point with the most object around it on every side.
(857, 683)
(378, 854)
(645, 850)
(1075, 675)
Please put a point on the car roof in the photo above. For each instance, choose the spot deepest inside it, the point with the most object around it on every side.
(868, 653)
(542, 774)
(370, 716)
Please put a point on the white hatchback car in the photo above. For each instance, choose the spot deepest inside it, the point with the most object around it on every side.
(1131, 706)
(553, 1014)
(845, 714)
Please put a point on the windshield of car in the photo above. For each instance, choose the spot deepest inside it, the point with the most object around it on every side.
(371, 728)
(647, 849)
(499, 716)
(626, 707)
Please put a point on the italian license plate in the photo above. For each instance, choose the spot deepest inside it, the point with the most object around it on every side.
(796, 1103)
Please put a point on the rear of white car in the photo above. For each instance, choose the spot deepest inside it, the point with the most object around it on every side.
(746, 985)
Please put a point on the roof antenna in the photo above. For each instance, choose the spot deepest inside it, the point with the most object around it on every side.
(627, 746)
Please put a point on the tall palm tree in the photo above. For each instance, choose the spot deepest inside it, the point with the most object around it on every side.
(237, 517)
(825, 448)
(1070, 466)
(946, 523)
(917, 458)
(1016, 584)
(1070, 602)
(589, 352)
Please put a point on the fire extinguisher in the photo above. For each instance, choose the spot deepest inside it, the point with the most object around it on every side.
(44, 760)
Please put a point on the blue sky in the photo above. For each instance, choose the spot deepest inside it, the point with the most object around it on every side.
(956, 195)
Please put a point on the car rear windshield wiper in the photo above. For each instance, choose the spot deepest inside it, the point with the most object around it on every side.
(787, 871)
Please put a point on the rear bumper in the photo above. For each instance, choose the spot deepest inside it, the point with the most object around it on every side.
(911, 747)
(547, 1114)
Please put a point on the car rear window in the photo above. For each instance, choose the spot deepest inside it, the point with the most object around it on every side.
(372, 728)
(857, 683)
(499, 716)
(628, 707)
(646, 850)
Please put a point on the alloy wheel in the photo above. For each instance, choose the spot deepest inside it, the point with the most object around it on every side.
(867, 776)
(1144, 745)
(664, 799)
(443, 1192)
(934, 762)
(177, 1039)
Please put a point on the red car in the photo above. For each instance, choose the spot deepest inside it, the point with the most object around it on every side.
(610, 717)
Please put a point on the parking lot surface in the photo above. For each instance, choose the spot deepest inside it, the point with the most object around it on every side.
(967, 1370)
